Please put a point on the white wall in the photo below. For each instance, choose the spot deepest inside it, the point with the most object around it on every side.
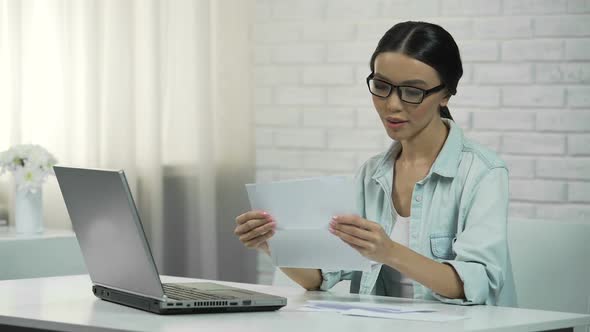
(525, 91)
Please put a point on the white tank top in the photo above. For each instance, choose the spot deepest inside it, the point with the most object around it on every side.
(401, 235)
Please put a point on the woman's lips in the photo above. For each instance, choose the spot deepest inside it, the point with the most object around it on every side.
(395, 123)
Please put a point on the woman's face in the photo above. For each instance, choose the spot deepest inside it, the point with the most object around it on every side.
(403, 120)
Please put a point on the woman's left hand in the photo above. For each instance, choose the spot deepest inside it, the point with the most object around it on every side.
(366, 236)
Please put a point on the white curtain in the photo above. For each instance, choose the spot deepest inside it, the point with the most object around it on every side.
(159, 88)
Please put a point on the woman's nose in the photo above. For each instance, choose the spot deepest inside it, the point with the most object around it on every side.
(393, 102)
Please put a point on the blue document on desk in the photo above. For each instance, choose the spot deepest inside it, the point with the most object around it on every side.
(302, 210)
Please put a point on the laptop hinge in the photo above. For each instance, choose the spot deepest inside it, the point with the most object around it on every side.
(164, 298)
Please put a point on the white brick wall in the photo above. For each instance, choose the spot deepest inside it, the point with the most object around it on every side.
(563, 121)
(579, 192)
(564, 168)
(578, 145)
(329, 117)
(558, 26)
(573, 72)
(503, 73)
(533, 49)
(504, 119)
(533, 96)
(537, 7)
(470, 8)
(525, 91)
(538, 190)
(537, 143)
(520, 167)
(577, 49)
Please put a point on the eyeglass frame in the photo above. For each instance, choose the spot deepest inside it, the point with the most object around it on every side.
(425, 93)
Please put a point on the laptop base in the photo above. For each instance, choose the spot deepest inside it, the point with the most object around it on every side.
(153, 305)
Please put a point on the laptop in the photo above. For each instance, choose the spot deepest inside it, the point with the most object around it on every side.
(119, 259)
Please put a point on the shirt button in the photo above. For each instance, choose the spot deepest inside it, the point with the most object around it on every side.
(418, 198)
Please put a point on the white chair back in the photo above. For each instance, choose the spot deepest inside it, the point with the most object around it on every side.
(551, 263)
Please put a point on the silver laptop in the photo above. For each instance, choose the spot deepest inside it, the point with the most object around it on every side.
(119, 259)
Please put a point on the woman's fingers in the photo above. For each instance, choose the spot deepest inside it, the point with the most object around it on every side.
(252, 215)
(256, 232)
(357, 221)
(250, 225)
(255, 242)
(253, 229)
(352, 240)
(353, 231)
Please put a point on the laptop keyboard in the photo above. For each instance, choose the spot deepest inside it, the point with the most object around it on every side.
(178, 292)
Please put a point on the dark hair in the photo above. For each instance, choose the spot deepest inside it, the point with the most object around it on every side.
(428, 43)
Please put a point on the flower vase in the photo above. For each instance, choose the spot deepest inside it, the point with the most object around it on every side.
(28, 212)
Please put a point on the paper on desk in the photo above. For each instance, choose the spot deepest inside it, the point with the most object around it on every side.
(342, 307)
(411, 312)
(423, 316)
(302, 210)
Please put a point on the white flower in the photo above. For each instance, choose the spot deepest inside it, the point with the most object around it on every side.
(30, 165)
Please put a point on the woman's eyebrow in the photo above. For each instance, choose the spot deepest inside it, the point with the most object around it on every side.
(377, 75)
(414, 81)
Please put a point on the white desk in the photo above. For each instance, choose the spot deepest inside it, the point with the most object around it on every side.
(67, 304)
(52, 253)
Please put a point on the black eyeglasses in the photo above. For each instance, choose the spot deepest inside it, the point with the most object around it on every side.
(408, 94)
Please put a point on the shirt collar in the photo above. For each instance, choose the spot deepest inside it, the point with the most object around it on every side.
(446, 163)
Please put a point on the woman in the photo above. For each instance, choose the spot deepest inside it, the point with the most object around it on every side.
(433, 207)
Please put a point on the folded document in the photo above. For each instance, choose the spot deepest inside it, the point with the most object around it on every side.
(302, 210)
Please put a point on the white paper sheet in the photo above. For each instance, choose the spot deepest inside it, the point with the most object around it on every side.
(409, 312)
(302, 210)
(343, 307)
(423, 316)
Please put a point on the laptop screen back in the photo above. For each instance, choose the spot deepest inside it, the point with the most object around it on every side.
(110, 234)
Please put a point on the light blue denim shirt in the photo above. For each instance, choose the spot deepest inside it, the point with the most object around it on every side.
(458, 217)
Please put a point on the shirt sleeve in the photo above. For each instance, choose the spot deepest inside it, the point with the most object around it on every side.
(481, 249)
(331, 278)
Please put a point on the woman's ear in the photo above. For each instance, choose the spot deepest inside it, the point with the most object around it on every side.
(445, 101)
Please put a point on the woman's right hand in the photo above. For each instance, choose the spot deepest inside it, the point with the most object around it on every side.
(254, 228)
